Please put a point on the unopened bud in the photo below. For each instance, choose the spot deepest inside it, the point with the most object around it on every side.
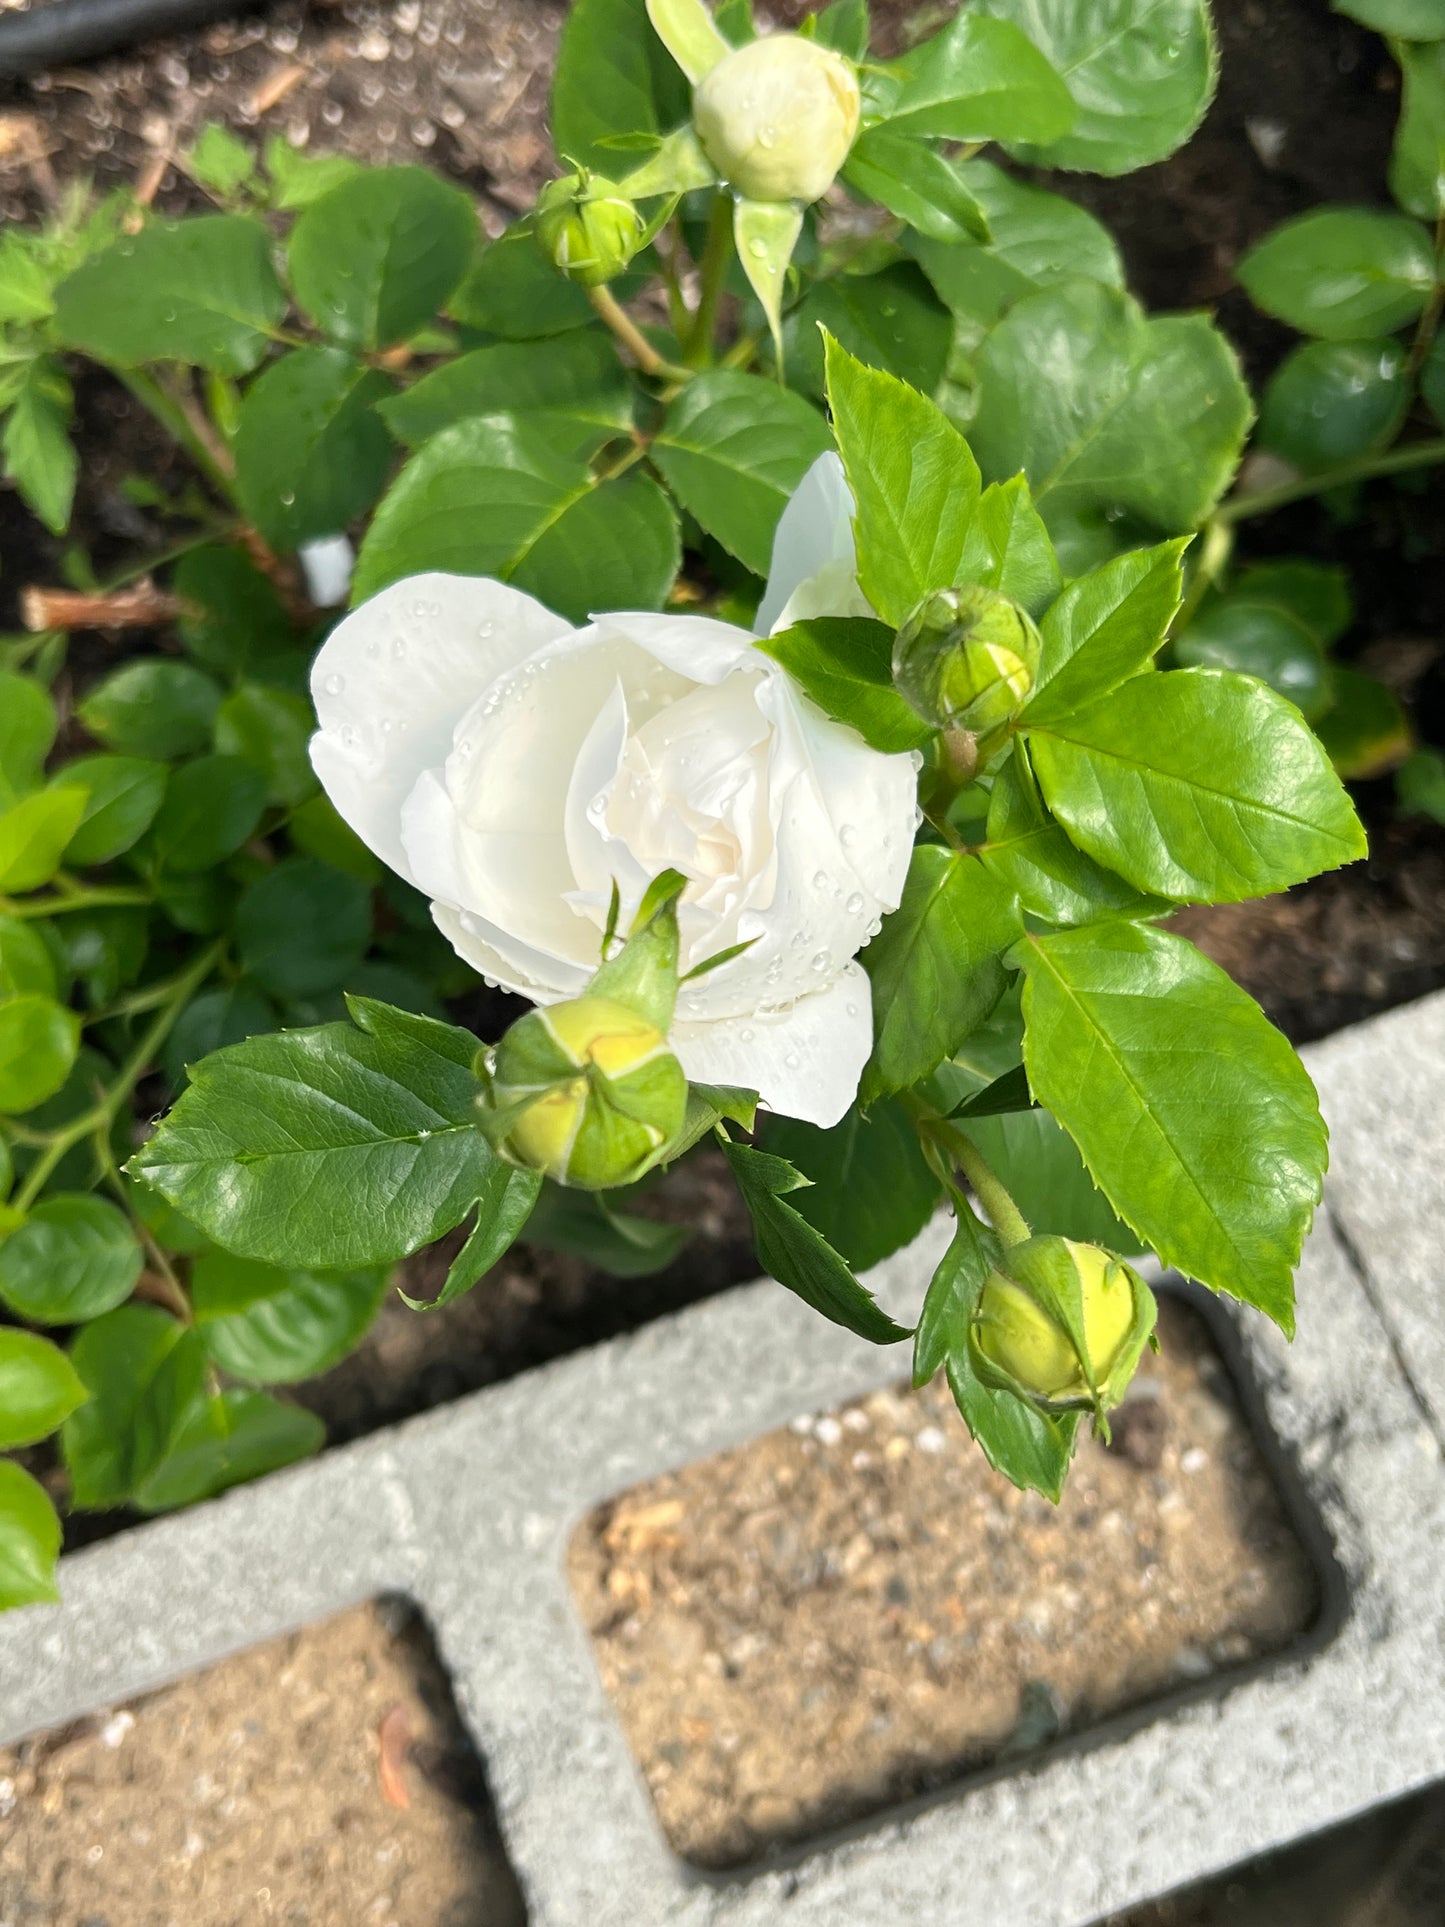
(586, 1092)
(1061, 1324)
(587, 227)
(776, 118)
(966, 659)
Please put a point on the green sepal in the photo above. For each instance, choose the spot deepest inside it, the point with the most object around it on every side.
(643, 974)
(766, 233)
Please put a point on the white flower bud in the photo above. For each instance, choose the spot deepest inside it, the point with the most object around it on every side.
(776, 118)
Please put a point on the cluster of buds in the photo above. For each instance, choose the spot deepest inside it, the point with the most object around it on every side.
(966, 659)
(587, 227)
(588, 1092)
(1061, 1325)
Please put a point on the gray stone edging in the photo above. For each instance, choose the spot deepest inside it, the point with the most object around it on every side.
(468, 1509)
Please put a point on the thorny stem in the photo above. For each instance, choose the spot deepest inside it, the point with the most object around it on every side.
(1214, 552)
(632, 337)
(712, 273)
(103, 1113)
(1395, 461)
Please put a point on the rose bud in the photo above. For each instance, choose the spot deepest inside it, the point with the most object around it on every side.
(1062, 1325)
(966, 659)
(587, 227)
(586, 1092)
(776, 118)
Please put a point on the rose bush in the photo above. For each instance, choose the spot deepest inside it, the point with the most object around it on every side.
(514, 768)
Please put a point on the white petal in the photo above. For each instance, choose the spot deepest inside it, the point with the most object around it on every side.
(327, 562)
(393, 678)
(695, 646)
(814, 530)
(870, 797)
(804, 1062)
(502, 960)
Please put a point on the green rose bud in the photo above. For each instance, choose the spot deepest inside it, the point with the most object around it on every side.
(587, 227)
(1062, 1325)
(966, 659)
(586, 1092)
(776, 118)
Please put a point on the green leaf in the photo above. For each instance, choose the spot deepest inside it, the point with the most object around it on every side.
(72, 1259)
(1314, 593)
(980, 79)
(271, 1326)
(497, 496)
(1161, 1069)
(202, 290)
(36, 444)
(869, 1191)
(1106, 627)
(1417, 165)
(1039, 1165)
(914, 481)
(211, 1021)
(1075, 381)
(936, 966)
(506, 1202)
(1030, 856)
(1259, 639)
(1141, 72)
(891, 320)
(1037, 239)
(225, 1441)
(915, 182)
(152, 708)
(311, 452)
(514, 291)
(1004, 1097)
(316, 830)
(302, 927)
(38, 1042)
(24, 282)
(122, 795)
(29, 1541)
(576, 374)
(845, 664)
(299, 179)
(377, 257)
(1411, 19)
(104, 948)
(733, 448)
(211, 806)
(33, 836)
(38, 1388)
(953, 1292)
(614, 76)
(270, 729)
(219, 161)
(1365, 733)
(1198, 785)
(1007, 547)
(271, 1132)
(1343, 273)
(843, 26)
(144, 1372)
(26, 962)
(27, 729)
(1330, 401)
(796, 1254)
(1420, 785)
(235, 621)
(584, 1225)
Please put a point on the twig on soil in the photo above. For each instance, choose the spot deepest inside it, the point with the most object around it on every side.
(283, 80)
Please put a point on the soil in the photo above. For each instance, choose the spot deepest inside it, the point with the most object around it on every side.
(853, 1609)
(322, 1780)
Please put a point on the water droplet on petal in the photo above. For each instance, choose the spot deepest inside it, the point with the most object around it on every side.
(848, 836)
(820, 879)
(484, 629)
(855, 904)
(823, 961)
(746, 1034)
(398, 648)
(334, 685)
(792, 1060)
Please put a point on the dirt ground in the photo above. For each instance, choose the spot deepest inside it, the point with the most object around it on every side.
(855, 1608)
(322, 1780)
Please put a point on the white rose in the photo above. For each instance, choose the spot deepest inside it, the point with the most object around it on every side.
(512, 767)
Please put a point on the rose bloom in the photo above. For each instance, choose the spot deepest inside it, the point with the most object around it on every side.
(513, 768)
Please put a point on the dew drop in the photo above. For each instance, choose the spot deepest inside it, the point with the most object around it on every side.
(852, 1009)
(485, 629)
(757, 247)
(854, 905)
(792, 1060)
(822, 961)
(288, 501)
(820, 879)
(334, 685)
(848, 836)
(398, 648)
(746, 1034)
